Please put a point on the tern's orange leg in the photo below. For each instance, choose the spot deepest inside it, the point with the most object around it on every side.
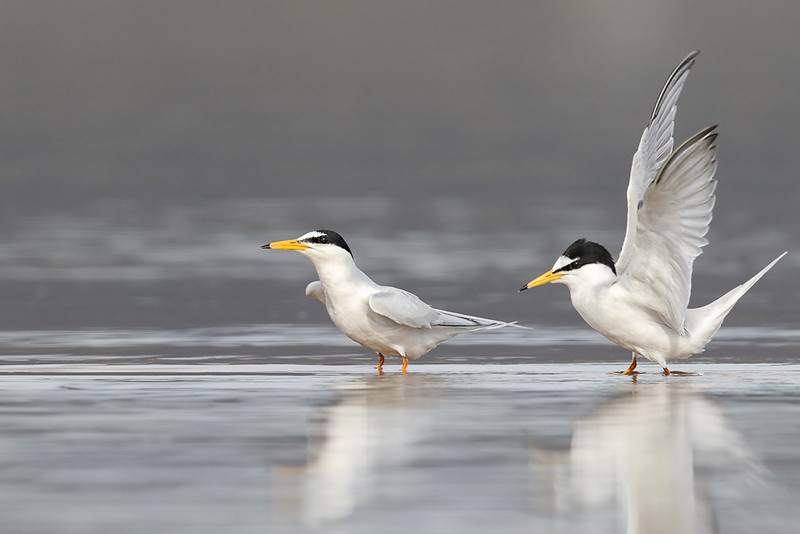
(405, 364)
(630, 370)
(380, 363)
(666, 372)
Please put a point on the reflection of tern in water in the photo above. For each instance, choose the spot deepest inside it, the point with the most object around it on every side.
(646, 453)
(373, 425)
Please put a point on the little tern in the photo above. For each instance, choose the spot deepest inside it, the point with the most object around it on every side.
(387, 320)
(641, 301)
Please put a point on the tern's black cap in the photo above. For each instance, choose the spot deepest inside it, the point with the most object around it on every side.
(587, 252)
(328, 237)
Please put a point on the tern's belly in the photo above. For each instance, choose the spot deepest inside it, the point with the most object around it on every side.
(633, 327)
(378, 333)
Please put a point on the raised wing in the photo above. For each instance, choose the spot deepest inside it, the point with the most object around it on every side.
(655, 147)
(673, 219)
(403, 307)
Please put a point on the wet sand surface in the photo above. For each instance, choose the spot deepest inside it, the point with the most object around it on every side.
(450, 447)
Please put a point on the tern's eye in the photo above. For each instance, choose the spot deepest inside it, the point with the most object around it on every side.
(319, 239)
(569, 267)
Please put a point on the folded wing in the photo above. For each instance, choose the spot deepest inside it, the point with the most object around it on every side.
(403, 307)
(315, 291)
(407, 309)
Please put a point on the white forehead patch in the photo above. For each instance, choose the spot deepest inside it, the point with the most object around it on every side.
(310, 235)
(562, 261)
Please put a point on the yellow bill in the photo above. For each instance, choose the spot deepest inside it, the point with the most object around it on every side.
(289, 244)
(547, 277)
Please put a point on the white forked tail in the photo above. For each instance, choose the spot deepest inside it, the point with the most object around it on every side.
(702, 323)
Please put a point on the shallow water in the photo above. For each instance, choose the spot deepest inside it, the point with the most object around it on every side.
(337, 448)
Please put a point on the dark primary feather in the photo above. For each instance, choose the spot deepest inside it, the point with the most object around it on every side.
(680, 70)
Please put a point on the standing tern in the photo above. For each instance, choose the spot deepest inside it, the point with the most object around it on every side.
(641, 301)
(385, 319)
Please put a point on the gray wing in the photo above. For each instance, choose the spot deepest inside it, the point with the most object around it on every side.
(315, 291)
(460, 320)
(403, 307)
(655, 147)
(406, 308)
(673, 219)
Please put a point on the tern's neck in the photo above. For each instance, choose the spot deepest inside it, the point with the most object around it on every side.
(590, 277)
(339, 271)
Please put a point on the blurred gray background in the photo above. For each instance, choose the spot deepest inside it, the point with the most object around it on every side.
(149, 148)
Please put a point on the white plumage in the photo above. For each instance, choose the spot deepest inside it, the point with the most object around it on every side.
(641, 301)
(387, 320)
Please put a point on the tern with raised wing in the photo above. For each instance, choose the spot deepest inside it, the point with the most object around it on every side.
(640, 302)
